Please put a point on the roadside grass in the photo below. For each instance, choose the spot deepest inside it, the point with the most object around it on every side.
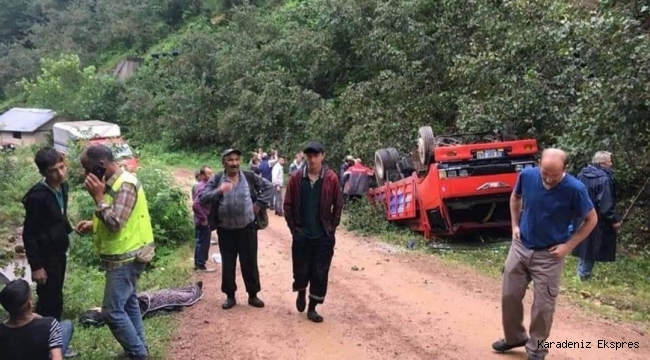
(185, 159)
(84, 289)
(617, 290)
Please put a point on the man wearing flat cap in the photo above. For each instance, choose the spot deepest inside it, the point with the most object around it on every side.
(239, 200)
(312, 209)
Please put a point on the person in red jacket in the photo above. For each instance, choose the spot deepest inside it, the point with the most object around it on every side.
(356, 181)
(312, 209)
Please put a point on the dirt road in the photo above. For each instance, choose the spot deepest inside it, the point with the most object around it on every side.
(392, 305)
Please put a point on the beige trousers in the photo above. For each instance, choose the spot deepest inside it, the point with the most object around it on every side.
(523, 265)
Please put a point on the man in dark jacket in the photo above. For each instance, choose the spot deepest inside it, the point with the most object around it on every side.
(46, 229)
(312, 209)
(601, 243)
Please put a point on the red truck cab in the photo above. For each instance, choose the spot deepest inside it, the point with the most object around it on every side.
(452, 184)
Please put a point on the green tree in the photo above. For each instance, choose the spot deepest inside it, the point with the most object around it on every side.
(66, 88)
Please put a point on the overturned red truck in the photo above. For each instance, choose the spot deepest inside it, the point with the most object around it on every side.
(452, 184)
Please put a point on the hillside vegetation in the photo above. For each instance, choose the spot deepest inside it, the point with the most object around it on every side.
(357, 74)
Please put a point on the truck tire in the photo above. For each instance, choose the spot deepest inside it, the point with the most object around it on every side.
(393, 158)
(426, 145)
(385, 162)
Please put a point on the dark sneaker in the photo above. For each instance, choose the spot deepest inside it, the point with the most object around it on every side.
(502, 346)
(229, 303)
(313, 316)
(301, 302)
(255, 302)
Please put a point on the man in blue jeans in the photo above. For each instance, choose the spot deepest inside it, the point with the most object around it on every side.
(201, 225)
(26, 335)
(123, 239)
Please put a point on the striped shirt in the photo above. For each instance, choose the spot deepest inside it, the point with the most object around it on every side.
(55, 340)
(32, 341)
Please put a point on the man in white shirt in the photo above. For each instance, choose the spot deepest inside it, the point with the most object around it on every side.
(277, 178)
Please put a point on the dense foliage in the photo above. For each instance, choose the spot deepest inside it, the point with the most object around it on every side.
(358, 74)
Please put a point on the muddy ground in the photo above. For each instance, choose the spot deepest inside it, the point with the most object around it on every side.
(382, 303)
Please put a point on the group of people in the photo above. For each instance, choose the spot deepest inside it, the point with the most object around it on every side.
(552, 214)
(122, 237)
(234, 203)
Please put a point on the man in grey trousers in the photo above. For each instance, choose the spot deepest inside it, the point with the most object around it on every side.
(540, 242)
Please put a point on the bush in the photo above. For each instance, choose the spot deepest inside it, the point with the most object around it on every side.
(366, 218)
(17, 175)
(170, 214)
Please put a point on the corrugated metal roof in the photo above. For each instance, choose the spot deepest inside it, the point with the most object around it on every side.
(25, 120)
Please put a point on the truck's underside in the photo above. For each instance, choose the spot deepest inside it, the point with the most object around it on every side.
(466, 195)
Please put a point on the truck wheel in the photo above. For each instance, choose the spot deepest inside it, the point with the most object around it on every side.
(426, 145)
(393, 159)
(380, 174)
(385, 161)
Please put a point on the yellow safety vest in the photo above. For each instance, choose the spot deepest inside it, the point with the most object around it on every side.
(137, 232)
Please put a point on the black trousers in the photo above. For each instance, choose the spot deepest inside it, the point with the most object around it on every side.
(312, 259)
(50, 294)
(242, 243)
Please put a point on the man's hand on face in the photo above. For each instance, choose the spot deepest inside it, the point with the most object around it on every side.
(95, 187)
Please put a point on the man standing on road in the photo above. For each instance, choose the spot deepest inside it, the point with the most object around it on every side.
(540, 242)
(277, 177)
(601, 243)
(123, 239)
(312, 209)
(201, 225)
(238, 198)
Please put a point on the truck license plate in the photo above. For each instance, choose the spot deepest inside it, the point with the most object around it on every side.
(489, 154)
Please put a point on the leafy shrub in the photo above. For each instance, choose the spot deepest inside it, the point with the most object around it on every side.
(367, 218)
(17, 174)
(170, 214)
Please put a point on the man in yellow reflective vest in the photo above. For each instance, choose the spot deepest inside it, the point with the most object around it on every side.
(123, 239)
